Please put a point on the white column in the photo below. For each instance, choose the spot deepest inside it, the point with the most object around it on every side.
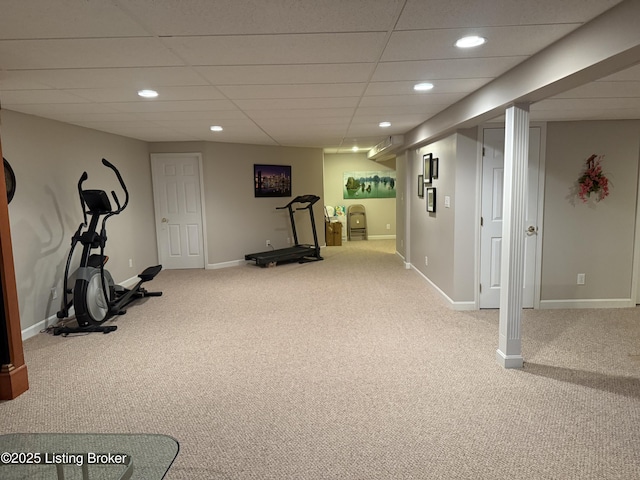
(516, 148)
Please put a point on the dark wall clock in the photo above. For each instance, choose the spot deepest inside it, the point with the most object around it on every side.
(10, 178)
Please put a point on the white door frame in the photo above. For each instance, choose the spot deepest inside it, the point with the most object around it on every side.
(540, 212)
(198, 155)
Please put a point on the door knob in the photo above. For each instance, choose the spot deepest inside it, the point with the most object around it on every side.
(165, 220)
(531, 230)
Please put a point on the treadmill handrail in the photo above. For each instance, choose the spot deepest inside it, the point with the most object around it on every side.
(310, 199)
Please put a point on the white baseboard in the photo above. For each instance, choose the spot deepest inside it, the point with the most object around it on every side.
(509, 361)
(130, 282)
(34, 330)
(232, 263)
(452, 303)
(381, 237)
(588, 303)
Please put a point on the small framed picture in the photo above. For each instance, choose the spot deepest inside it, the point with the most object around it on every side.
(434, 168)
(426, 159)
(431, 199)
(421, 186)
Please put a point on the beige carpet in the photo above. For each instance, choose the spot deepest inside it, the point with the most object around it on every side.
(349, 368)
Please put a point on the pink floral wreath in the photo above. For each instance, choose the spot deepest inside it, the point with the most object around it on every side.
(593, 180)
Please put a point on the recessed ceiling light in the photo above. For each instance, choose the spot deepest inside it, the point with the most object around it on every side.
(470, 41)
(215, 128)
(384, 124)
(422, 87)
(354, 149)
(148, 93)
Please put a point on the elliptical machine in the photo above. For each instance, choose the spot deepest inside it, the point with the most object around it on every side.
(95, 296)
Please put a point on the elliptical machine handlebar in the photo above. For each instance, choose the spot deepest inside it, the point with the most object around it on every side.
(120, 208)
(83, 178)
(110, 212)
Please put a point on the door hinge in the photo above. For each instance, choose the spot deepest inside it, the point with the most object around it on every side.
(480, 288)
(483, 151)
(481, 222)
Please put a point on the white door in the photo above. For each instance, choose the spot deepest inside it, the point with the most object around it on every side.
(178, 209)
(491, 233)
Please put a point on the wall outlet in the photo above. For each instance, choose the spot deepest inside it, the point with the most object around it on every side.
(54, 293)
(268, 243)
(288, 240)
(130, 263)
(581, 278)
(426, 261)
(388, 226)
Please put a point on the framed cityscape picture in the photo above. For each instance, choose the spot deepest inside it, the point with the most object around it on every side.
(272, 180)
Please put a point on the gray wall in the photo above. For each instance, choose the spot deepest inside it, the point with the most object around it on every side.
(48, 158)
(404, 189)
(446, 237)
(380, 211)
(237, 222)
(595, 238)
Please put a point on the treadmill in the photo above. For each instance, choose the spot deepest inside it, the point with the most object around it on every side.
(296, 253)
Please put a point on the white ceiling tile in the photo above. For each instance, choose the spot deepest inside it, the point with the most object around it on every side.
(50, 110)
(318, 141)
(293, 91)
(134, 77)
(287, 74)
(21, 80)
(300, 130)
(301, 113)
(630, 74)
(164, 94)
(470, 13)
(178, 106)
(204, 124)
(98, 117)
(147, 133)
(212, 116)
(501, 42)
(21, 97)
(363, 142)
(296, 103)
(363, 129)
(398, 118)
(380, 111)
(253, 135)
(64, 19)
(85, 53)
(203, 17)
(278, 49)
(440, 69)
(442, 99)
(298, 67)
(457, 85)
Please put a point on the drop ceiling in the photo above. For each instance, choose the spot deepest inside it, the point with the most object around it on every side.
(308, 73)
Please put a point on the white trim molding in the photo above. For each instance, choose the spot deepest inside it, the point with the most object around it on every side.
(459, 306)
(588, 303)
